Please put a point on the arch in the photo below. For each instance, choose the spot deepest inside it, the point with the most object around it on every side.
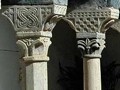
(71, 24)
(105, 25)
(52, 20)
(63, 57)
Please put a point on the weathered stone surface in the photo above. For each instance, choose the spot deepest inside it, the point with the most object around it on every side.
(114, 3)
(28, 19)
(88, 4)
(91, 26)
(34, 2)
(35, 49)
(36, 76)
(92, 74)
(116, 26)
(91, 46)
(33, 26)
(92, 20)
(94, 4)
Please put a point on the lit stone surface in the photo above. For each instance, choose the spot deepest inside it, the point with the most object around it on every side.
(33, 26)
(92, 74)
(36, 76)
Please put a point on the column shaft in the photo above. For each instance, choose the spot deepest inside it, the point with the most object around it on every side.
(92, 74)
(36, 76)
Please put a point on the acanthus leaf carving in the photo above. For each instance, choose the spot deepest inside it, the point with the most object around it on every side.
(91, 47)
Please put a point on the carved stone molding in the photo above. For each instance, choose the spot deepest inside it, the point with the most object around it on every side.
(27, 18)
(51, 22)
(35, 49)
(91, 45)
(31, 18)
(92, 20)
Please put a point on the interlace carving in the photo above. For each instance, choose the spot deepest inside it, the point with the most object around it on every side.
(28, 18)
(35, 18)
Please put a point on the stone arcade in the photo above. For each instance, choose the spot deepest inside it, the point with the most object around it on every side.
(34, 24)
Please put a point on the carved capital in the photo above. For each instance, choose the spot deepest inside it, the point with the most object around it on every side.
(97, 20)
(91, 44)
(33, 26)
(34, 49)
(90, 26)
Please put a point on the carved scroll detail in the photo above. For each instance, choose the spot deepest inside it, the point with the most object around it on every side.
(51, 23)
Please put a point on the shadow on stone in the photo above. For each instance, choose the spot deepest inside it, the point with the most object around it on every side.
(110, 61)
(65, 65)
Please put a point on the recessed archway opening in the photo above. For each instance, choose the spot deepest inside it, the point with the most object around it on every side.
(65, 70)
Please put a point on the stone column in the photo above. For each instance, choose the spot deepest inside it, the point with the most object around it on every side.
(33, 26)
(90, 26)
(91, 48)
(36, 64)
(92, 73)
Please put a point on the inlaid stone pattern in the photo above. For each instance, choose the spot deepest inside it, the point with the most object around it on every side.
(91, 20)
(28, 18)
